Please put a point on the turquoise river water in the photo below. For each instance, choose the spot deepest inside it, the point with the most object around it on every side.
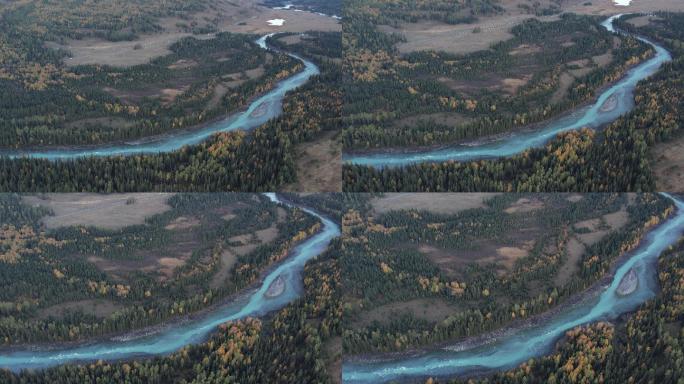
(264, 108)
(508, 349)
(173, 337)
(615, 101)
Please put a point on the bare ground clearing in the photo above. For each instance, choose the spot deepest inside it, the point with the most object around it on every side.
(111, 122)
(575, 250)
(103, 211)
(166, 92)
(447, 203)
(667, 163)
(577, 244)
(508, 255)
(608, 7)
(642, 20)
(459, 38)
(183, 222)
(525, 205)
(161, 263)
(333, 352)
(525, 49)
(230, 255)
(232, 80)
(493, 82)
(564, 83)
(291, 39)
(443, 118)
(319, 165)
(228, 260)
(263, 235)
(97, 307)
(581, 68)
(432, 310)
(504, 255)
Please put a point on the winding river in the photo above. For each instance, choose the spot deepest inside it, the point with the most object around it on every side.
(513, 347)
(257, 302)
(615, 101)
(261, 110)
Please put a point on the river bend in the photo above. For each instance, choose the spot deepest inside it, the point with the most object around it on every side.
(287, 275)
(615, 101)
(517, 346)
(259, 111)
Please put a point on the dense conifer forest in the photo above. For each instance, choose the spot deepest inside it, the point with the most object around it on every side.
(44, 268)
(260, 160)
(172, 265)
(616, 158)
(646, 347)
(45, 102)
(414, 278)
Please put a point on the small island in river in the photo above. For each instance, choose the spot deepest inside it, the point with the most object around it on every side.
(610, 104)
(628, 284)
(276, 288)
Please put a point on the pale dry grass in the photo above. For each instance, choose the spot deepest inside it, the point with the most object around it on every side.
(460, 39)
(102, 211)
(239, 16)
(446, 203)
(525, 205)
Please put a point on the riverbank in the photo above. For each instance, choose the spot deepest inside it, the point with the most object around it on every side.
(240, 298)
(473, 356)
(256, 112)
(520, 140)
(608, 106)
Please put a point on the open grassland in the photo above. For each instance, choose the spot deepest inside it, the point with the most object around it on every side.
(102, 211)
(487, 30)
(240, 16)
(444, 203)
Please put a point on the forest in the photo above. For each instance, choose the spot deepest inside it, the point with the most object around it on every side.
(296, 344)
(646, 347)
(616, 157)
(480, 269)
(45, 102)
(172, 265)
(94, 104)
(299, 343)
(262, 160)
(431, 97)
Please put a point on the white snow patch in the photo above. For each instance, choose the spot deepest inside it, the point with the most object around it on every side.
(276, 22)
(623, 3)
